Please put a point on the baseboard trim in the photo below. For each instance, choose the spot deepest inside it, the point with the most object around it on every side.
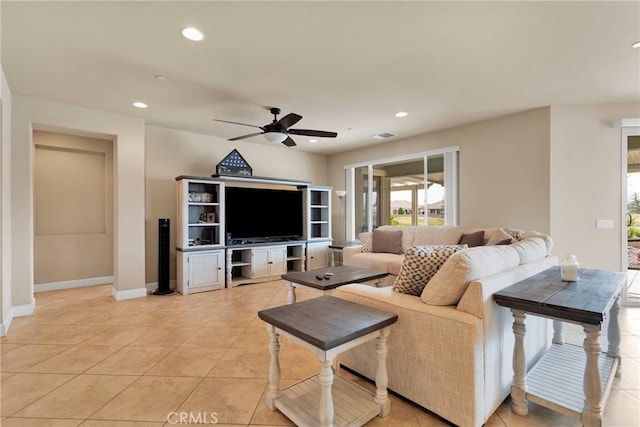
(128, 294)
(69, 284)
(16, 311)
(6, 323)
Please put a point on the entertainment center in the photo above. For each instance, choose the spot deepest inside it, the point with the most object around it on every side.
(238, 230)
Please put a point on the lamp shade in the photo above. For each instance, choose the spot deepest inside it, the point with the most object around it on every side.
(341, 193)
(275, 136)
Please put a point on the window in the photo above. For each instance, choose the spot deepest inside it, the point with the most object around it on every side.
(392, 191)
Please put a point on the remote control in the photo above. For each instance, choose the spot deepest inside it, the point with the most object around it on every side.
(328, 274)
(318, 277)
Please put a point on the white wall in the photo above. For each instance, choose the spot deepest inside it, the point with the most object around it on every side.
(128, 135)
(503, 169)
(586, 180)
(171, 152)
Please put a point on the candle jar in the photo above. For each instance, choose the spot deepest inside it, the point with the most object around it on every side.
(569, 268)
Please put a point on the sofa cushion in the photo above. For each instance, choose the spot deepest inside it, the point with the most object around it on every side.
(472, 239)
(430, 235)
(449, 284)
(530, 249)
(391, 263)
(365, 238)
(419, 266)
(387, 241)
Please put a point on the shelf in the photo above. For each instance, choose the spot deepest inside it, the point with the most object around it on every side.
(319, 222)
(353, 405)
(319, 206)
(293, 258)
(240, 264)
(204, 224)
(203, 204)
(557, 379)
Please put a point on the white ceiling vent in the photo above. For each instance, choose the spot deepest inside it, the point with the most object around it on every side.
(384, 135)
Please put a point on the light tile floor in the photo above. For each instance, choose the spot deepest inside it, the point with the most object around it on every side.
(86, 360)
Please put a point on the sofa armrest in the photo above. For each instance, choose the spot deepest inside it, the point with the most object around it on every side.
(350, 251)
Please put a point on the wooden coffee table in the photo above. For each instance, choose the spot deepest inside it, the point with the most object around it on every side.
(328, 326)
(573, 380)
(339, 276)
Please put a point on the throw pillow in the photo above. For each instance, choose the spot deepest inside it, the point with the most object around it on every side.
(514, 232)
(503, 242)
(387, 241)
(497, 236)
(365, 238)
(420, 264)
(472, 239)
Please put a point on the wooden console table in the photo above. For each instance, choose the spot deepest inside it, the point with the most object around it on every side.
(328, 326)
(555, 381)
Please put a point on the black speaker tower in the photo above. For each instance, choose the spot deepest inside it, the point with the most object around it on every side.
(163, 258)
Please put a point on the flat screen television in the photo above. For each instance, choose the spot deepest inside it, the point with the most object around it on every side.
(260, 215)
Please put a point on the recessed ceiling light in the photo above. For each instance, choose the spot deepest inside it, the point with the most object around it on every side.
(192, 34)
(635, 45)
(139, 104)
(161, 77)
(402, 114)
(313, 140)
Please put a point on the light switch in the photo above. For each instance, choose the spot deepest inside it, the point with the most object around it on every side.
(604, 223)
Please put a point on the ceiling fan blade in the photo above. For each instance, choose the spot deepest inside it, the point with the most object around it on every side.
(289, 120)
(309, 132)
(245, 136)
(236, 123)
(289, 142)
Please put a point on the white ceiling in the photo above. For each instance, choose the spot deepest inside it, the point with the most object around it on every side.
(344, 66)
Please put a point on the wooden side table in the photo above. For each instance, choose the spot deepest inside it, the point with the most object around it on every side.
(555, 381)
(336, 252)
(328, 326)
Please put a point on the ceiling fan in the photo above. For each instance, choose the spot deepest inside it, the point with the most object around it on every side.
(278, 130)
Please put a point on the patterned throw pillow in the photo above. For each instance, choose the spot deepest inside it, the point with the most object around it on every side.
(367, 241)
(419, 266)
(514, 233)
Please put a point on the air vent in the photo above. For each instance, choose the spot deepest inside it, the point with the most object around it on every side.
(383, 135)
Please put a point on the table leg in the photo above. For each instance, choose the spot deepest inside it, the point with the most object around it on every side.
(382, 379)
(519, 387)
(291, 292)
(557, 332)
(326, 400)
(592, 412)
(274, 368)
(613, 335)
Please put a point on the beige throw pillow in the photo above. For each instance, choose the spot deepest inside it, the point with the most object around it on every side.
(450, 282)
(420, 264)
(499, 235)
(387, 241)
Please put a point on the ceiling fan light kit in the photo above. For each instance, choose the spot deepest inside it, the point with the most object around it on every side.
(275, 136)
(278, 130)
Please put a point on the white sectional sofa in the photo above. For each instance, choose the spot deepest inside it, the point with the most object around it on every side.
(455, 360)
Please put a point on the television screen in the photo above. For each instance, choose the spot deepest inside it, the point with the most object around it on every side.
(263, 214)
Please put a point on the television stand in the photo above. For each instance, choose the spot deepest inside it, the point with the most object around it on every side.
(263, 262)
